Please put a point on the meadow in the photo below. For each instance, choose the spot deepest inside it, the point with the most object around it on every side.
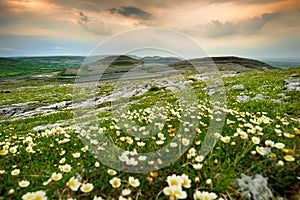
(256, 155)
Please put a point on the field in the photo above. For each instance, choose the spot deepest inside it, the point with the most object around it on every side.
(48, 153)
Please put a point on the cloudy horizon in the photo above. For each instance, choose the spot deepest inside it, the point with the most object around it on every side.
(252, 28)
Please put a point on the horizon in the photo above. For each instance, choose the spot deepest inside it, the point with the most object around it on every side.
(252, 29)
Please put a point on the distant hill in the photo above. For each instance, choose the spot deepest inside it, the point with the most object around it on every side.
(228, 63)
(28, 65)
(68, 65)
(159, 59)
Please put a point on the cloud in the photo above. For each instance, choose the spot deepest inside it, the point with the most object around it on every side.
(247, 27)
(131, 12)
(246, 1)
(93, 25)
(83, 18)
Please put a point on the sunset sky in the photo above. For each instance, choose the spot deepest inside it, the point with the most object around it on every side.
(250, 28)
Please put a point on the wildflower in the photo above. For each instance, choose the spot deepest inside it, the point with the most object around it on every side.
(97, 164)
(186, 182)
(261, 150)
(141, 144)
(24, 183)
(115, 182)
(3, 152)
(28, 196)
(2, 171)
(174, 180)
(204, 195)
(13, 149)
(41, 195)
(86, 187)
(11, 191)
(85, 148)
(199, 158)
(126, 192)
(56, 176)
(185, 142)
(289, 158)
(175, 192)
(76, 155)
(65, 168)
(269, 143)
(225, 139)
(208, 181)
(29, 149)
(15, 172)
(280, 163)
(47, 182)
(288, 135)
(197, 166)
(279, 145)
(255, 140)
(173, 144)
(154, 174)
(74, 183)
(111, 172)
(288, 151)
(133, 182)
(62, 161)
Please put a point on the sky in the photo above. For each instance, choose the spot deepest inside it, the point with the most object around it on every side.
(248, 28)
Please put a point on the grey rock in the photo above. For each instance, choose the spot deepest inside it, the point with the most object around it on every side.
(259, 97)
(254, 187)
(16, 109)
(293, 84)
(238, 87)
(243, 98)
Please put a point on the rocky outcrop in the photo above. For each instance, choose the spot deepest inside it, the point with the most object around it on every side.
(17, 109)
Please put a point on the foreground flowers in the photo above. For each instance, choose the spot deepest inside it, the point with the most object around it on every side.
(175, 182)
(38, 195)
(74, 183)
(204, 195)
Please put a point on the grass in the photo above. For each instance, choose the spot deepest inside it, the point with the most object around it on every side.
(263, 119)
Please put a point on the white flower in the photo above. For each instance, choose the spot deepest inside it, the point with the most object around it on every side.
(111, 172)
(255, 140)
(86, 187)
(74, 183)
(175, 192)
(225, 139)
(65, 168)
(15, 172)
(40, 195)
(174, 180)
(56, 176)
(24, 183)
(173, 144)
(269, 143)
(279, 145)
(204, 195)
(115, 182)
(197, 166)
(185, 142)
(126, 192)
(186, 182)
(208, 181)
(133, 182)
(76, 155)
(199, 158)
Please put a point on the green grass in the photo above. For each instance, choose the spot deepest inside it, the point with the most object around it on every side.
(223, 165)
